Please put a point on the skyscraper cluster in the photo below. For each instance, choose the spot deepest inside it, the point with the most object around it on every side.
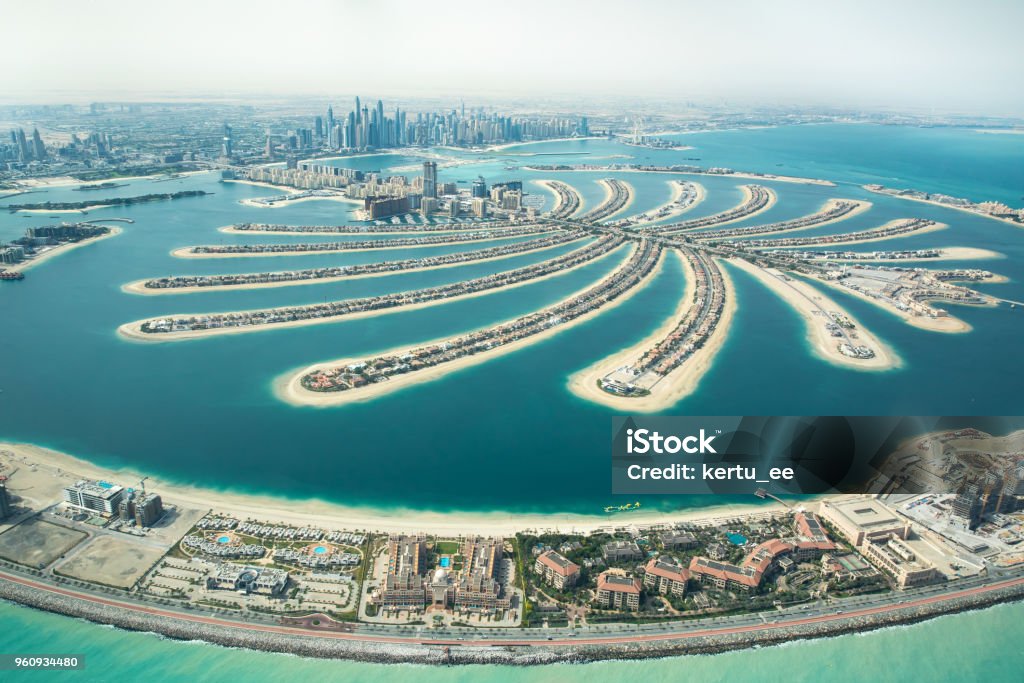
(23, 149)
(370, 128)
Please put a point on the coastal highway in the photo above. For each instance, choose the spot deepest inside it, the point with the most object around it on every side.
(852, 608)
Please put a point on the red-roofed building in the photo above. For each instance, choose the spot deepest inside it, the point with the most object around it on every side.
(618, 591)
(665, 576)
(722, 575)
(557, 570)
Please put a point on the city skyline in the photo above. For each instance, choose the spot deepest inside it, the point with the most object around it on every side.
(944, 56)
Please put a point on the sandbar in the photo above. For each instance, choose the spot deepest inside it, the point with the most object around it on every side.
(808, 302)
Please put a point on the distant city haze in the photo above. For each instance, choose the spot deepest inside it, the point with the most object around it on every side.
(939, 54)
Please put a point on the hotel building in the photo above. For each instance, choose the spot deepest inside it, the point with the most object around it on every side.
(556, 570)
(618, 590)
(99, 497)
(664, 575)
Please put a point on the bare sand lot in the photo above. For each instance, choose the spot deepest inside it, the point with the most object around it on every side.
(111, 561)
(36, 543)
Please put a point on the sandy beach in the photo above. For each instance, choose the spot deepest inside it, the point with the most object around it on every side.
(912, 233)
(139, 286)
(133, 330)
(946, 254)
(946, 324)
(289, 389)
(65, 469)
(62, 249)
(679, 383)
(807, 301)
(186, 252)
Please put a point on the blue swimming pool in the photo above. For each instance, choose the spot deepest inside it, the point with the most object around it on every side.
(446, 561)
(224, 539)
(319, 550)
(737, 539)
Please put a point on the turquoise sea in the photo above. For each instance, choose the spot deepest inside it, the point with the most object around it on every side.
(982, 645)
(506, 434)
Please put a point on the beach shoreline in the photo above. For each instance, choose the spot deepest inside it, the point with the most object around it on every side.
(802, 298)
(63, 249)
(949, 324)
(946, 254)
(332, 515)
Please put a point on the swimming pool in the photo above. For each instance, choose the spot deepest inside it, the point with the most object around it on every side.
(445, 562)
(320, 550)
(737, 539)
(224, 539)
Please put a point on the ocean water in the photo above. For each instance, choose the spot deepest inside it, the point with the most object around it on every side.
(508, 433)
(983, 645)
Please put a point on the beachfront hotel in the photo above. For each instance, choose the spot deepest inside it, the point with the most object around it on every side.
(473, 588)
(862, 519)
(617, 590)
(557, 570)
(663, 575)
(95, 496)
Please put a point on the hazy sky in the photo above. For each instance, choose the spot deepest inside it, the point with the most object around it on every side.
(903, 53)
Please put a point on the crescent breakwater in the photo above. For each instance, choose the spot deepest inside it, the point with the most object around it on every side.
(337, 382)
(755, 200)
(679, 168)
(834, 210)
(191, 326)
(204, 283)
(248, 250)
